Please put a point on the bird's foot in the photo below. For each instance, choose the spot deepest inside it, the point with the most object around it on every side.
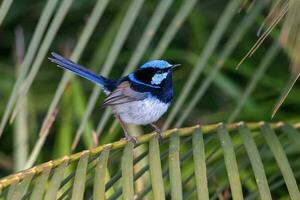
(130, 138)
(159, 136)
(159, 132)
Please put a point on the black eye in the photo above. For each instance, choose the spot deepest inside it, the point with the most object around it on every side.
(159, 72)
(145, 75)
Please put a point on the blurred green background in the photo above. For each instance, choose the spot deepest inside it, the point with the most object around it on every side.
(269, 64)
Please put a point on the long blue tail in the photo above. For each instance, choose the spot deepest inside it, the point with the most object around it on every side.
(65, 63)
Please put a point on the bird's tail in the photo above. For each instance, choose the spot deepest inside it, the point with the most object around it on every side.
(65, 63)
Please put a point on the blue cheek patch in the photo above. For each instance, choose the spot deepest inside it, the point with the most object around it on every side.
(158, 78)
(132, 78)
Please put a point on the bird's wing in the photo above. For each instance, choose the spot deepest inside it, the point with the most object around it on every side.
(123, 94)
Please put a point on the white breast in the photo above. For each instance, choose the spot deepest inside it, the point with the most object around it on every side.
(141, 112)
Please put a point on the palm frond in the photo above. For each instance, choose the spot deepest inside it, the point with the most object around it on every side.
(5, 5)
(218, 161)
(209, 147)
(41, 54)
(25, 66)
(244, 25)
(265, 63)
(211, 44)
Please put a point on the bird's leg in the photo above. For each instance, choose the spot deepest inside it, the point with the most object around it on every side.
(127, 136)
(158, 131)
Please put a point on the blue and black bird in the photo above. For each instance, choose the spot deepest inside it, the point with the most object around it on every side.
(140, 98)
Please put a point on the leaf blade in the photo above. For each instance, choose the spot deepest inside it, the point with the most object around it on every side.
(127, 172)
(155, 170)
(100, 175)
(230, 163)
(200, 165)
(281, 159)
(80, 176)
(256, 162)
(174, 167)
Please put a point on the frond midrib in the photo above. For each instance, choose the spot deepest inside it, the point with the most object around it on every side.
(187, 131)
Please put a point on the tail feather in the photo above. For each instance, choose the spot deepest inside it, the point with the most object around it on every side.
(79, 70)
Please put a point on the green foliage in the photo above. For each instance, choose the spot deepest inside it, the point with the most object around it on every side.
(195, 162)
(55, 114)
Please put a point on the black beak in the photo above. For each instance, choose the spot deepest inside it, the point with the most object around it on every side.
(175, 66)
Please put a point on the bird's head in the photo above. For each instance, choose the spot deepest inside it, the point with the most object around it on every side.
(154, 73)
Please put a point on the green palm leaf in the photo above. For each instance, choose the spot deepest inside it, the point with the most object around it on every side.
(208, 147)
(230, 160)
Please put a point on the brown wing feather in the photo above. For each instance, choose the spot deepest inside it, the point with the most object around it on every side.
(123, 94)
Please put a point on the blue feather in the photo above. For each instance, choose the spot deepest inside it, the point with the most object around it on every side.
(132, 78)
(160, 64)
(64, 63)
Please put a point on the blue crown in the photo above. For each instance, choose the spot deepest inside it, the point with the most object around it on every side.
(161, 64)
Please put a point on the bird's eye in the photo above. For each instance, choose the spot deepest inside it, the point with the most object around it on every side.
(159, 72)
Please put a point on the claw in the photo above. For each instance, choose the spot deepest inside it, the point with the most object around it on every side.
(127, 137)
(160, 137)
(130, 138)
(159, 134)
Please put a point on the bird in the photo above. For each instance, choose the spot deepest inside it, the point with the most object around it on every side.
(139, 98)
